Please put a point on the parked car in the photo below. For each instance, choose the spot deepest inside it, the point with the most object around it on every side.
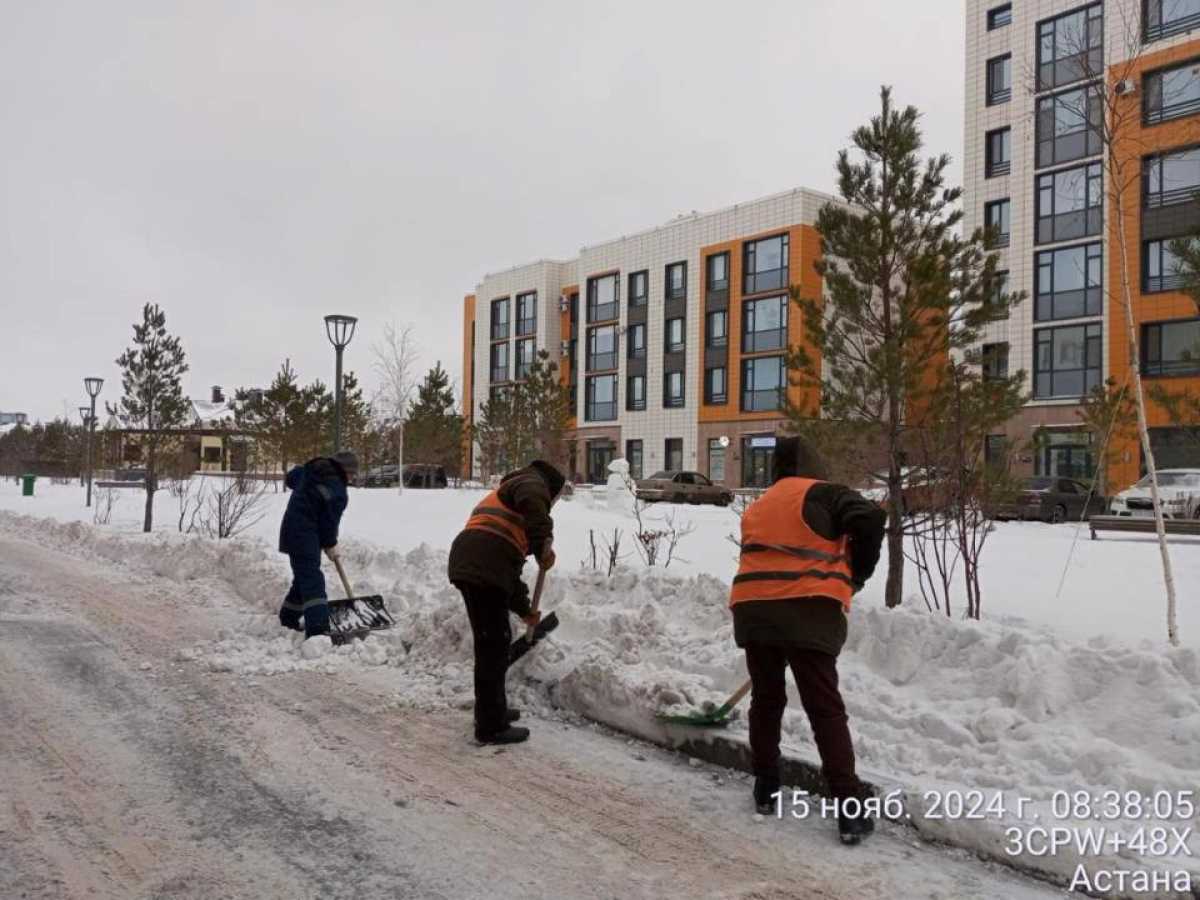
(921, 489)
(682, 487)
(130, 475)
(1047, 498)
(379, 476)
(1178, 489)
(424, 475)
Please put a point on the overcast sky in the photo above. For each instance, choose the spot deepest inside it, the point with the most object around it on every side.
(252, 166)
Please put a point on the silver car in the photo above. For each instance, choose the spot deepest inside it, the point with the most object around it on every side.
(682, 487)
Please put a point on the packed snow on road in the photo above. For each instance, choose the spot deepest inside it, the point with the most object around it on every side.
(1065, 690)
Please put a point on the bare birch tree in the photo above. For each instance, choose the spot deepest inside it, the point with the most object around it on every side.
(395, 360)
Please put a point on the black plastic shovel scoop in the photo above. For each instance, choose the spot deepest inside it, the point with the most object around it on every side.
(525, 642)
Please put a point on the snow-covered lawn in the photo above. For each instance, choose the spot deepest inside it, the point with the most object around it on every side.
(1050, 692)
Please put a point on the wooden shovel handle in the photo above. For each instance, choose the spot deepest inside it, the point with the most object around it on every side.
(737, 696)
(537, 599)
(337, 563)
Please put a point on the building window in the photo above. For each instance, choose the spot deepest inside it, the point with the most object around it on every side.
(1162, 270)
(764, 324)
(718, 273)
(1070, 204)
(1172, 93)
(1067, 126)
(600, 402)
(995, 451)
(525, 357)
(633, 456)
(998, 153)
(1068, 283)
(997, 218)
(999, 80)
(714, 385)
(674, 335)
(765, 264)
(635, 393)
(1164, 18)
(673, 454)
(500, 362)
(994, 359)
(716, 461)
(639, 288)
(1171, 348)
(1066, 361)
(1171, 178)
(636, 339)
(999, 287)
(677, 281)
(602, 348)
(1071, 47)
(602, 298)
(999, 16)
(527, 313)
(763, 382)
(673, 390)
(715, 330)
(500, 319)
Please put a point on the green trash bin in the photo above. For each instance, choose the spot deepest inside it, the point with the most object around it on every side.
(27, 485)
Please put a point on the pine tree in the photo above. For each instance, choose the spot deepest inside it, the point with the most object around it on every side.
(433, 431)
(525, 421)
(152, 370)
(549, 410)
(903, 291)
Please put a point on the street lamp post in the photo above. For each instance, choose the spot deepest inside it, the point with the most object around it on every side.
(339, 329)
(92, 385)
(84, 412)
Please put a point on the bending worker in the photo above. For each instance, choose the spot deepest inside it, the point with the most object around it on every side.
(807, 547)
(310, 525)
(486, 560)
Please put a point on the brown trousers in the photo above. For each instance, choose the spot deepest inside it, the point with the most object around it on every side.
(817, 681)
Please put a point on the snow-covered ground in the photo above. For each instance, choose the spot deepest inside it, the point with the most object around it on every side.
(1070, 691)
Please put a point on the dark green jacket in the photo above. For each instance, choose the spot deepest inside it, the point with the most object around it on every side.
(484, 559)
(818, 623)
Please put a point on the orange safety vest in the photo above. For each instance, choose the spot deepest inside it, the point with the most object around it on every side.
(782, 557)
(492, 515)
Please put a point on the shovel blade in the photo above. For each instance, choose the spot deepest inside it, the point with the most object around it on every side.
(718, 718)
(355, 617)
(524, 644)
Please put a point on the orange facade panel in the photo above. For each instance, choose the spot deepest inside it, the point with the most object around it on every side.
(804, 249)
(1133, 142)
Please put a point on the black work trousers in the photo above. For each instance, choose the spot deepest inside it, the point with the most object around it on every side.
(817, 681)
(487, 609)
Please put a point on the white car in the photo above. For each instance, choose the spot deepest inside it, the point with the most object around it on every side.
(1179, 490)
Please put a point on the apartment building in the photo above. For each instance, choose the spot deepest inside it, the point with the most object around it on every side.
(1043, 79)
(673, 340)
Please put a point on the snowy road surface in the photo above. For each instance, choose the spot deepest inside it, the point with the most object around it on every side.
(129, 773)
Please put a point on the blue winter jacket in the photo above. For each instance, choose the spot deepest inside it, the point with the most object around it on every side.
(315, 508)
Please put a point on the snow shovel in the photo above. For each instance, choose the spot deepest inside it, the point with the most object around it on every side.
(533, 633)
(718, 717)
(356, 617)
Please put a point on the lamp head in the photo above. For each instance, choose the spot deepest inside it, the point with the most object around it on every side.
(340, 329)
(93, 385)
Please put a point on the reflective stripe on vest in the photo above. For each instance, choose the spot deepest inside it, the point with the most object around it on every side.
(782, 557)
(493, 516)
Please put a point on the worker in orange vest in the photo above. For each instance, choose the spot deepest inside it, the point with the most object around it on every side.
(486, 561)
(807, 547)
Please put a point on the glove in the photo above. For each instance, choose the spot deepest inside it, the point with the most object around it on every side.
(332, 552)
(532, 619)
(548, 559)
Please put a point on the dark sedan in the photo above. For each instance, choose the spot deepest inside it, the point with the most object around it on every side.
(1051, 499)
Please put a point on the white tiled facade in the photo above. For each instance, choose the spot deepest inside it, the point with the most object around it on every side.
(680, 240)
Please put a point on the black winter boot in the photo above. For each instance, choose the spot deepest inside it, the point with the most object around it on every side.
(854, 829)
(513, 734)
(764, 787)
(512, 715)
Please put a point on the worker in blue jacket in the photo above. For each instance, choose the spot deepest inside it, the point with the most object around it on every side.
(310, 525)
